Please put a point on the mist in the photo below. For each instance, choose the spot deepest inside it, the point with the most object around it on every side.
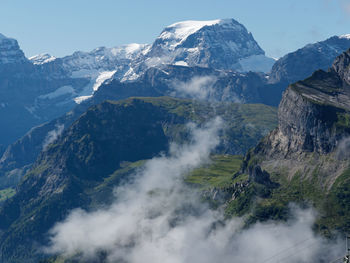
(53, 135)
(157, 218)
(342, 150)
(196, 88)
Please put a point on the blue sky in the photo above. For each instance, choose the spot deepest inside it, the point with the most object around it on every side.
(60, 27)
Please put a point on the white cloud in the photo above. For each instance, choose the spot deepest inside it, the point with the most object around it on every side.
(196, 88)
(343, 149)
(53, 135)
(156, 218)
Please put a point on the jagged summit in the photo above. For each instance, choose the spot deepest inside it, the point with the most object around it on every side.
(42, 59)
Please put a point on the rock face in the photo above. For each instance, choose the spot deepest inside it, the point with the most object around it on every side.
(302, 63)
(10, 53)
(307, 155)
(314, 113)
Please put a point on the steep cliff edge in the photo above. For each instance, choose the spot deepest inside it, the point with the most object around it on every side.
(308, 155)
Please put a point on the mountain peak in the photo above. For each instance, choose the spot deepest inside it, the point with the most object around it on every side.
(220, 44)
(181, 30)
(42, 59)
(178, 32)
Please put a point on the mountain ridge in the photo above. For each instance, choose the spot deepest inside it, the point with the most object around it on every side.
(96, 146)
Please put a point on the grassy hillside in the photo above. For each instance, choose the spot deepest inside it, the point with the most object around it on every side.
(103, 147)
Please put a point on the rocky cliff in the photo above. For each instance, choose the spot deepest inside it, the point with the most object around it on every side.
(314, 113)
(307, 155)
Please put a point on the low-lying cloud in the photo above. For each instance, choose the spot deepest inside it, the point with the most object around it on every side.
(157, 218)
(342, 151)
(53, 135)
(197, 88)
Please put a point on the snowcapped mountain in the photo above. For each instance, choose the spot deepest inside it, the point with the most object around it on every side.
(95, 67)
(220, 44)
(10, 53)
(102, 58)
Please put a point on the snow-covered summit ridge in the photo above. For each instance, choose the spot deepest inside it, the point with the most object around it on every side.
(220, 44)
(103, 58)
(96, 56)
(346, 36)
(180, 31)
(42, 59)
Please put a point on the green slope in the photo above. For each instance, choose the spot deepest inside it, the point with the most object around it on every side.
(102, 148)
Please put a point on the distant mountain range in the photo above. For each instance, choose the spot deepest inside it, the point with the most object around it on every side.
(39, 89)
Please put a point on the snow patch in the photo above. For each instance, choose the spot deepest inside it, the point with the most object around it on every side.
(130, 75)
(97, 78)
(102, 78)
(181, 63)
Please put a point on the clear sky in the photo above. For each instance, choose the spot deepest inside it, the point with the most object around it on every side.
(60, 27)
